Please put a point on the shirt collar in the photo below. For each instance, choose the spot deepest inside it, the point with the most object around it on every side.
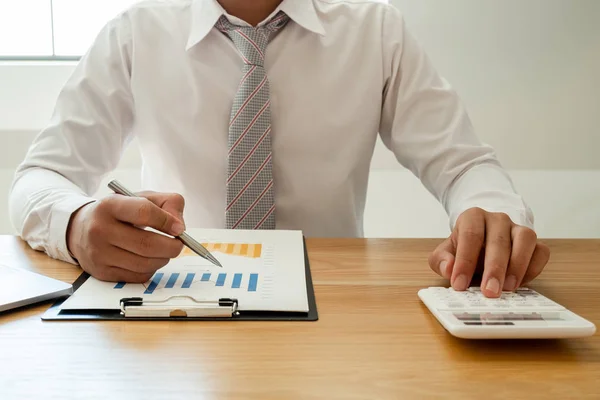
(304, 14)
(206, 13)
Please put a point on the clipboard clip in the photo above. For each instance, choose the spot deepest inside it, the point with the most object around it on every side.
(178, 306)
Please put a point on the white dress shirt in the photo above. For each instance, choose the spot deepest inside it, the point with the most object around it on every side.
(342, 72)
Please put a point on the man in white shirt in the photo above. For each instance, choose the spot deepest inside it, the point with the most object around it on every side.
(261, 114)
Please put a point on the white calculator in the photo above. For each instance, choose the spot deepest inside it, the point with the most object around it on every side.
(523, 314)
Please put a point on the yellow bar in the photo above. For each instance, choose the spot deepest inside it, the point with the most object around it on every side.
(257, 250)
(244, 250)
(229, 249)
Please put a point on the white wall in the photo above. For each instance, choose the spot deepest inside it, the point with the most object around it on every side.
(527, 70)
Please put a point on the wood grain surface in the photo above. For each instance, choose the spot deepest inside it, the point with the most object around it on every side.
(374, 339)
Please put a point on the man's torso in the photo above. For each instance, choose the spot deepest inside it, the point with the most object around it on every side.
(326, 99)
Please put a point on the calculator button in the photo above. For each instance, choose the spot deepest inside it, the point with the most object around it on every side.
(455, 304)
(511, 296)
(528, 294)
(546, 305)
(476, 300)
(476, 303)
(519, 303)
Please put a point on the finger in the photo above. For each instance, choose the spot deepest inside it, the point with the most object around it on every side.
(539, 259)
(132, 262)
(470, 236)
(173, 203)
(497, 254)
(115, 274)
(441, 259)
(144, 243)
(523, 245)
(142, 212)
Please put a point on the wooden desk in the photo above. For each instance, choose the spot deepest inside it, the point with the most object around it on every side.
(374, 340)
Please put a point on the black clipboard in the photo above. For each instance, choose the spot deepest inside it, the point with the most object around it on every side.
(55, 313)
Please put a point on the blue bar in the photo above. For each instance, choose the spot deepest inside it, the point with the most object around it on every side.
(221, 279)
(188, 280)
(205, 277)
(172, 280)
(120, 285)
(155, 281)
(253, 282)
(237, 281)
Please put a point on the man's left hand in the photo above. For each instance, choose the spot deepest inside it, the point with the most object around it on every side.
(505, 254)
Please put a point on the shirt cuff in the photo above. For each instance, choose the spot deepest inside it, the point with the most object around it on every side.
(519, 216)
(59, 222)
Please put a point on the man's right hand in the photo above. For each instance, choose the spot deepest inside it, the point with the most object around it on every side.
(107, 239)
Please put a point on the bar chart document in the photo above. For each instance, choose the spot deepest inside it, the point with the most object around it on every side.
(263, 270)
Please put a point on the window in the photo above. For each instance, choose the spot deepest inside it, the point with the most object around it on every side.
(53, 29)
(25, 28)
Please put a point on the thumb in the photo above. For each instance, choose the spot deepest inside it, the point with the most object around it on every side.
(441, 261)
(173, 203)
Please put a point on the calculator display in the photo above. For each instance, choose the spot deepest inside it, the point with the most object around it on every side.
(508, 318)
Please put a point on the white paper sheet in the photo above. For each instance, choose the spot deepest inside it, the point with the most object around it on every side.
(264, 270)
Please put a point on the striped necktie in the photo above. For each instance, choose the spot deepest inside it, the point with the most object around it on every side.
(250, 191)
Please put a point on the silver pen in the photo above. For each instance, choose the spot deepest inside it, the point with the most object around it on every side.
(192, 244)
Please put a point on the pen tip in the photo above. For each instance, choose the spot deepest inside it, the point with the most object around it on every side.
(215, 261)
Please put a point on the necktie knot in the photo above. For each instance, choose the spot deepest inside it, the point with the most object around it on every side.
(252, 42)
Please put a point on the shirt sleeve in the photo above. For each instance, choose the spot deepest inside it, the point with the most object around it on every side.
(426, 126)
(84, 140)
